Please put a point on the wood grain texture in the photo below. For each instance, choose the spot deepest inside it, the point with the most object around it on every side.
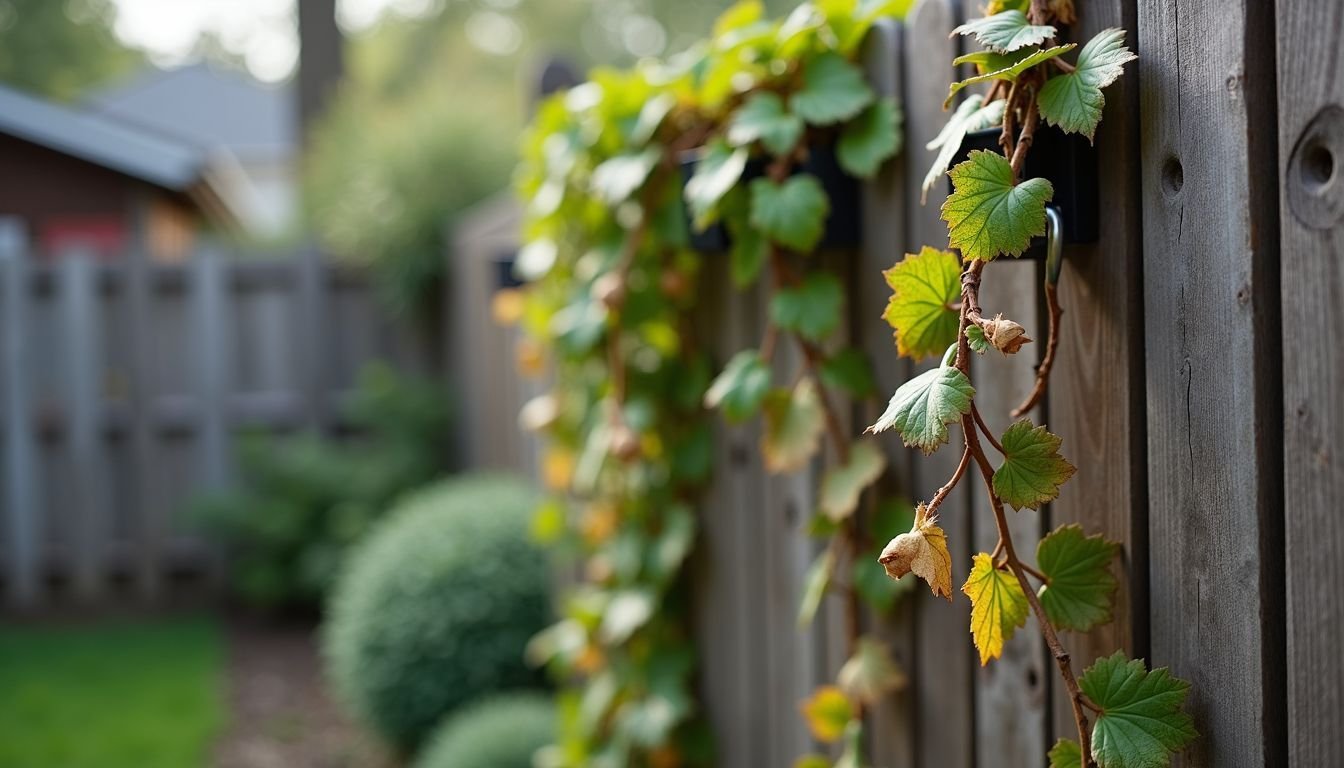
(1311, 153)
(943, 666)
(1096, 397)
(1011, 692)
(1210, 303)
(891, 723)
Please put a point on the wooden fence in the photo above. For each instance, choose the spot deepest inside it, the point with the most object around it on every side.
(1199, 389)
(124, 384)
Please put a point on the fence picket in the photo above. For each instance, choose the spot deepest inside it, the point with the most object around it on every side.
(82, 376)
(22, 520)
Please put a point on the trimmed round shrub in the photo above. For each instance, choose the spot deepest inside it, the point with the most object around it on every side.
(434, 608)
(500, 732)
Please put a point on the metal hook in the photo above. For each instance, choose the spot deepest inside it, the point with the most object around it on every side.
(1054, 243)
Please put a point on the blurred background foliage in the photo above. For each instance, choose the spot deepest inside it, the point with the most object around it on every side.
(428, 120)
(61, 49)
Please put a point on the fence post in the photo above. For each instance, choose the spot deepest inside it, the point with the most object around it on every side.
(82, 373)
(313, 284)
(21, 503)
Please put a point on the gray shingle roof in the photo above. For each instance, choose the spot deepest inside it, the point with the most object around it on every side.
(207, 106)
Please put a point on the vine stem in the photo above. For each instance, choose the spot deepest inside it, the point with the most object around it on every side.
(970, 282)
(1048, 361)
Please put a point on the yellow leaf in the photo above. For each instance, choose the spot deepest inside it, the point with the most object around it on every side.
(998, 606)
(922, 551)
(557, 468)
(827, 713)
(506, 307)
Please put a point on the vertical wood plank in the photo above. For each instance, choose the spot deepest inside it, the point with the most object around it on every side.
(23, 576)
(1210, 304)
(943, 667)
(82, 342)
(891, 722)
(1311, 152)
(213, 367)
(313, 313)
(146, 510)
(1096, 396)
(1011, 692)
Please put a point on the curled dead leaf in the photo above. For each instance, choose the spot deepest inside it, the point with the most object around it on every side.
(1005, 335)
(923, 552)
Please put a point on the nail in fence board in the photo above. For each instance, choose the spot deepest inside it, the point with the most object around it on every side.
(1311, 157)
(1210, 306)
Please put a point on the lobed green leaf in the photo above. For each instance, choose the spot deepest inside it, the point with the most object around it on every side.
(1080, 585)
(1141, 724)
(987, 214)
(1074, 101)
(921, 408)
(1032, 470)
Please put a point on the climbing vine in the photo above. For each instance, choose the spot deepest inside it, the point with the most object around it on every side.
(619, 175)
(1126, 715)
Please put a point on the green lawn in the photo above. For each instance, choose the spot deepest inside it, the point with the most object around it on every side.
(128, 695)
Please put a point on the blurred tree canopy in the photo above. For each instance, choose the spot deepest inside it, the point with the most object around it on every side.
(429, 118)
(59, 48)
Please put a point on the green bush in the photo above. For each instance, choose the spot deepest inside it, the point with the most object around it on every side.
(435, 608)
(499, 732)
(305, 500)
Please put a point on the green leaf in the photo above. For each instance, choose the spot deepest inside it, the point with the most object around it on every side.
(975, 337)
(871, 673)
(791, 213)
(617, 179)
(814, 586)
(762, 118)
(740, 15)
(1066, 754)
(1021, 63)
(1080, 585)
(849, 370)
(852, 756)
(1006, 32)
(718, 170)
(842, 485)
(749, 252)
(741, 388)
(1141, 723)
(998, 607)
(794, 422)
(869, 139)
(922, 407)
(971, 115)
(924, 289)
(878, 590)
(1032, 470)
(833, 89)
(1074, 101)
(987, 215)
(651, 116)
(811, 308)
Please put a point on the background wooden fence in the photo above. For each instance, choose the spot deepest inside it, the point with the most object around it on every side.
(1199, 388)
(125, 383)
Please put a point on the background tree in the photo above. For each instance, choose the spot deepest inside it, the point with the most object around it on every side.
(60, 49)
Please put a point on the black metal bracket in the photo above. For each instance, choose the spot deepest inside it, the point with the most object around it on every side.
(1069, 162)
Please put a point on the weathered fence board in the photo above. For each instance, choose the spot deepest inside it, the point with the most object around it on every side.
(1210, 304)
(1311, 170)
(943, 696)
(893, 739)
(21, 500)
(84, 445)
(1096, 397)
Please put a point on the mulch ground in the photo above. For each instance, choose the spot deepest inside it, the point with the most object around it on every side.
(281, 713)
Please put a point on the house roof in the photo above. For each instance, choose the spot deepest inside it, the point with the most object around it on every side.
(207, 106)
(159, 160)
